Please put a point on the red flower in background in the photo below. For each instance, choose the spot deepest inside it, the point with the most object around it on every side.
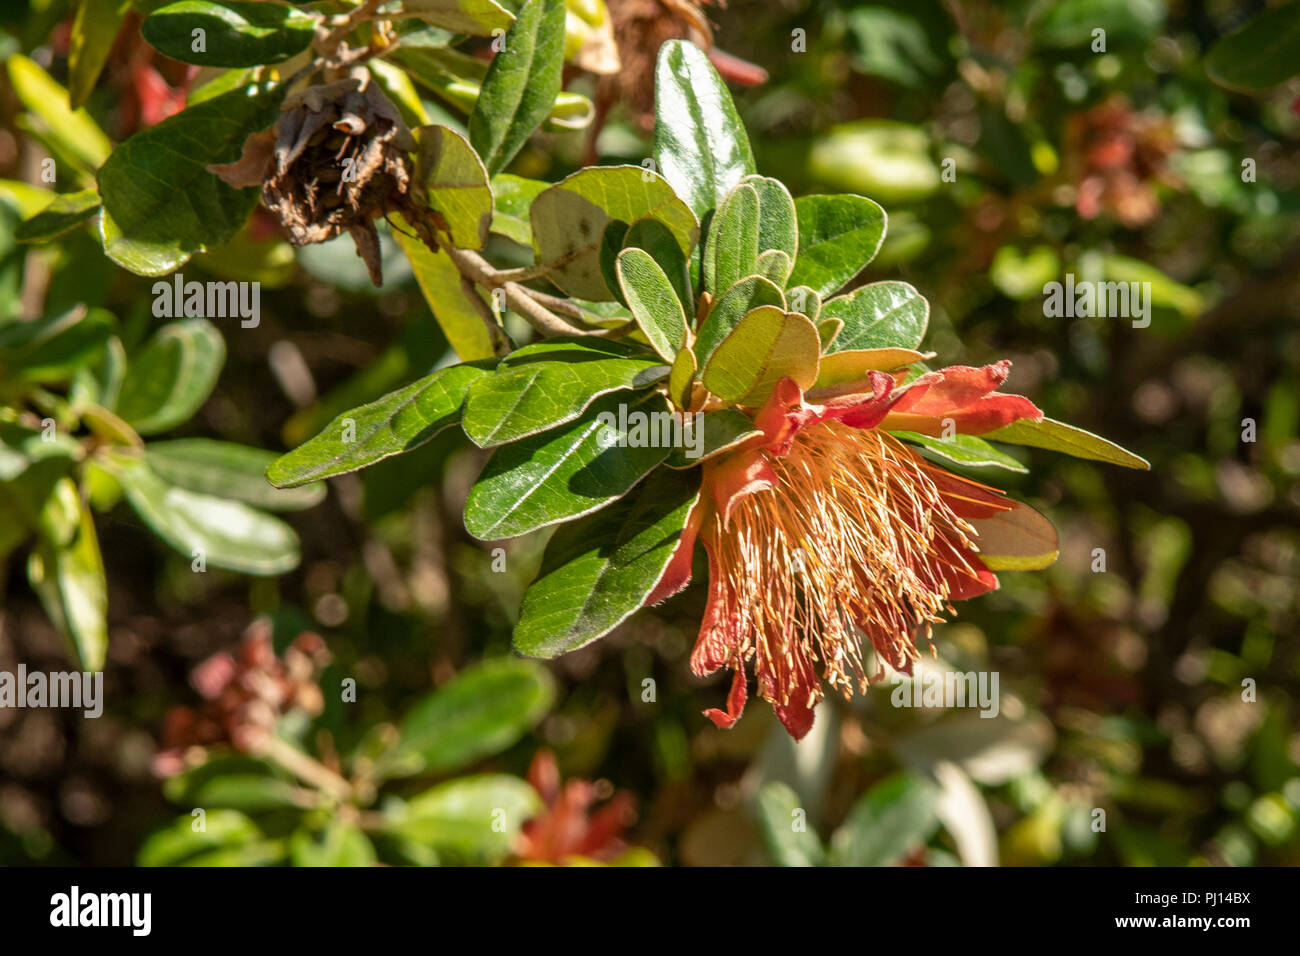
(567, 830)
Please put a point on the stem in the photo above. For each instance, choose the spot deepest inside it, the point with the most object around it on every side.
(477, 269)
(302, 766)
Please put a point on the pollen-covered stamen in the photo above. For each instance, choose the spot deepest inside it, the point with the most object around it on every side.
(855, 537)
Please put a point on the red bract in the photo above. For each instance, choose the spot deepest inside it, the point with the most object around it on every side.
(568, 828)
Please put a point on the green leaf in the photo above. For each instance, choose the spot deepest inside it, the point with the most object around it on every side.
(475, 17)
(778, 221)
(480, 712)
(226, 534)
(682, 377)
(73, 130)
(51, 350)
(242, 783)
(653, 237)
(569, 221)
(472, 819)
(1262, 54)
(701, 146)
(399, 422)
(803, 299)
(731, 249)
(723, 429)
(886, 314)
(653, 301)
(838, 236)
(786, 833)
(547, 384)
(171, 377)
(600, 569)
(775, 266)
(180, 842)
(1058, 436)
(233, 33)
(458, 185)
(227, 470)
(896, 816)
(969, 450)
(521, 84)
(726, 312)
(1017, 540)
(340, 844)
(64, 213)
(765, 347)
(139, 183)
(94, 29)
(563, 473)
(855, 364)
(440, 283)
(68, 577)
(512, 195)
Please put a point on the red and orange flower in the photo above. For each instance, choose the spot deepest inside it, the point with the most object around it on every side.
(826, 527)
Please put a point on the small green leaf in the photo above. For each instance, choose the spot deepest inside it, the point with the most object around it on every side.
(228, 32)
(139, 183)
(400, 421)
(512, 195)
(774, 265)
(722, 430)
(475, 17)
(1058, 436)
(803, 299)
(887, 314)
(73, 130)
(480, 712)
(766, 346)
(226, 534)
(854, 364)
(569, 221)
(838, 236)
(566, 472)
(521, 84)
(51, 350)
(733, 305)
(654, 237)
(547, 384)
(599, 570)
(172, 376)
(63, 214)
(894, 817)
(473, 820)
(227, 470)
(1017, 540)
(786, 834)
(731, 249)
(653, 301)
(701, 146)
(340, 844)
(68, 577)
(94, 29)
(778, 221)
(969, 450)
(242, 783)
(1262, 54)
(682, 377)
(180, 843)
(457, 183)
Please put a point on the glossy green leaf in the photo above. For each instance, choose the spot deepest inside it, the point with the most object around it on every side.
(457, 186)
(1058, 436)
(895, 816)
(655, 238)
(171, 377)
(566, 472)
(969, 450)
(722, 430)
(1260, 55)
(226, 534)
(521, 84)
(475, 17)
(227, 470)
(569, 221)
(51, 350)
(181, 842)
(886, 314)
(700, 146)
(789, 839)
(440, 283)
(242, 783)
(472, 819)
(64, 213)
(766, 346)
(480, 712)
(726, 312)
(838, 236)
(600, 569)
(547, 384)
(74, 130)
(778, 220)
(731, 249)
(94, 29)
(653, 301)
(68, 577)
(228, 32)
(139, 183)
(512, 195)
(400, 421)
